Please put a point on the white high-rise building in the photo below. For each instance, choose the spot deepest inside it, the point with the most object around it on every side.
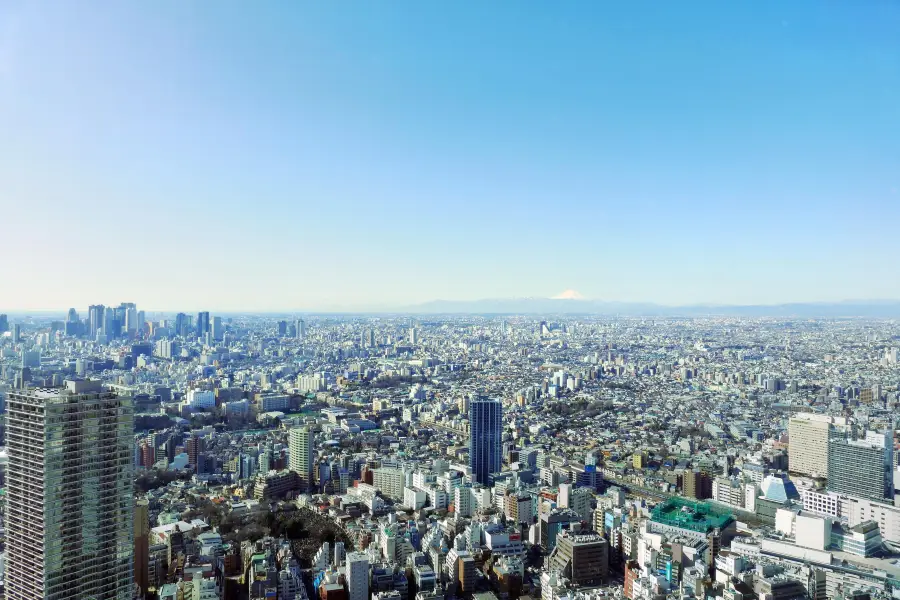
(390, 481)
(577, 499)
(300, 449)
(463, 501)
(357, 576)
(131, 320)
(339, 554)
(809, 435)
(70, 515)
(201, 398)
(891, 354)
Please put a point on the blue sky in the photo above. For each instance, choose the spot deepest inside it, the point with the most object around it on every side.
(377, 154)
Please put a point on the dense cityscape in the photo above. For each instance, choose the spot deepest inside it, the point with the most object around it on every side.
(203, 456)
(416, 300)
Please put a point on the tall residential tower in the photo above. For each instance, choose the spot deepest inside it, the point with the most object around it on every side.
(485, 438)
(300, 449)
(70, 525)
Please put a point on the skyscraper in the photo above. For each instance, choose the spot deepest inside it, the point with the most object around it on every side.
(182, 324)
(300, 448)
(202, 323)
(863, 467)
(301, 329)
(485, 423)
(131, 320)
(70, 516)
(4, 323)
(216, 329)
(95, 317)
(126, 318)
(112, 322)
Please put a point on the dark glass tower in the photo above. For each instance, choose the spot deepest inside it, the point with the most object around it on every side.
(202, 323)
(485, 436)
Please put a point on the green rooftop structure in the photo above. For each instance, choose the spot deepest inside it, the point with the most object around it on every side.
(701, 517)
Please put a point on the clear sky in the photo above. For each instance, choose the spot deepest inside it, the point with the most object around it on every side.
(333, 155)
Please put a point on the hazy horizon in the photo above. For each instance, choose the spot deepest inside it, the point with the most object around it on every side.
(424, 306)
(207, 156)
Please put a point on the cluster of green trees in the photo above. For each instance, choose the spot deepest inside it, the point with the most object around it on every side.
(306, 529)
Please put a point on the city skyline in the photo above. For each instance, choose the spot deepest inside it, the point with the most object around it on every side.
(449, 301)
(215, 458)
(560, 303)
(393, 155)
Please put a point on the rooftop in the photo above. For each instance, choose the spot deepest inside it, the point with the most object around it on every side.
(694, 516)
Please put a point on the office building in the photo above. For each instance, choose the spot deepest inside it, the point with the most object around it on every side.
(70, 515)
(357, 576)
(167, 349)
(133, 323)
(862, 467)
(218, 332)
(300, 448)
(301, 329)
(96, 315)
(583, 559)
(182, 324)
(4, 323)
(551, 523)
(485, 438)
(808, 436)
(202, 323)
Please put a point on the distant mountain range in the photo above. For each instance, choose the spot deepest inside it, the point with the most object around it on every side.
(850, 308)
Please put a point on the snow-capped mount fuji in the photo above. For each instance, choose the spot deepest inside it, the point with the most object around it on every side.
(568, 295)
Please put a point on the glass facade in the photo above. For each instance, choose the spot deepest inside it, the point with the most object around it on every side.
(862, 469)
(485, 438)
(70, 496)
